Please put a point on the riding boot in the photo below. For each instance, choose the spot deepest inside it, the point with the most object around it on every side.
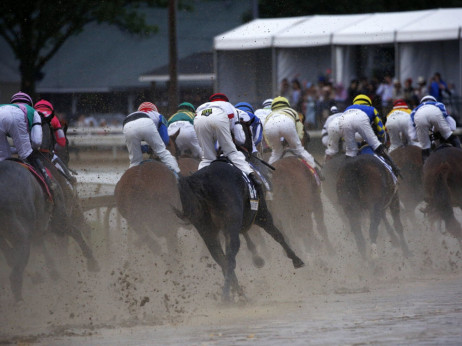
(425, 154)
(35, 161)
(319, 172)
(60, 165)
(454, 141)
(255, 178)
(381, 151)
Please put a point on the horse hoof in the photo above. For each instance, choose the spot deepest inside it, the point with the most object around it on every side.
(298, 263)
(258, 262)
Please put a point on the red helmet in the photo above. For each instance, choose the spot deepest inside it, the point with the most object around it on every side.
(400, 104)
(147, 107)
(45, 108)
(218, 97)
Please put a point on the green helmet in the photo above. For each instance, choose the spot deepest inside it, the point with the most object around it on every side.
(186, 105)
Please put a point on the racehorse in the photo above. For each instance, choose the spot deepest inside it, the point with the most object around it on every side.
(25, 215)
(442, 176)
(409, 160)
(145, 195)
(297, 200)
(216, 198)
(364, 184)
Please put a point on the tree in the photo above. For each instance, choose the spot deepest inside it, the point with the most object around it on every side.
(36, 30)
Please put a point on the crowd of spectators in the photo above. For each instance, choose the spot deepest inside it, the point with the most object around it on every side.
(314, 100)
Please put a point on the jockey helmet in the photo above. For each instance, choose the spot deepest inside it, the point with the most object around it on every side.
(218, 97)
(21, 97)
(45, 108)
(428, 98)
(280, 102)
(147, 107)
(186, 105)
(400, 104)
(333, 109)
(362, 99)
(244, 106)
(267, 103)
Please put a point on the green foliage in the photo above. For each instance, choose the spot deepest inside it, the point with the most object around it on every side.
(35, 30)
(291, 8)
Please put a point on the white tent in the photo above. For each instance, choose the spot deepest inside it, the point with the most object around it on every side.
(420, 42)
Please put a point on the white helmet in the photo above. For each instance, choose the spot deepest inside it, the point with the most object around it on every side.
(428, 98)
(267, 103)
(333, 109)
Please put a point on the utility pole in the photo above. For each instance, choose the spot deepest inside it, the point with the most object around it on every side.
(173, 58)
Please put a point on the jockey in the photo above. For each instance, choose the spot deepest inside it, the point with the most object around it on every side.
(331, 133)
(146, 124)
(360, 117)
(215, 120)
(432, 115)
(46, 111)
(398, 123)
(263, 112)
(183, 119)
(284, 123)
(247, 117)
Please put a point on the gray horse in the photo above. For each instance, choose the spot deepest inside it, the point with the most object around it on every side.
(26, 215)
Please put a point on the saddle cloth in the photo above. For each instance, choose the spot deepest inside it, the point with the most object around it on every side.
(37, 176)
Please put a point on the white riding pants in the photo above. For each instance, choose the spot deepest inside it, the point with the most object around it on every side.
(352, 121)
(144, 129)
(187, 138)
(398, 124)
(216, 127)
(281, 126)
(425, 118)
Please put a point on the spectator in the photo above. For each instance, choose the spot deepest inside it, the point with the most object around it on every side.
(410, 94)
(421, 89)
(296, 95)
(398, 92)
(438, 88)
(385, 91)
(285, 88)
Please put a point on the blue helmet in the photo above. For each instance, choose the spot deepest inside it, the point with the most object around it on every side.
(246, 107)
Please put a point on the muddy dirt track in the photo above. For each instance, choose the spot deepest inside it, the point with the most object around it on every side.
(141, 298)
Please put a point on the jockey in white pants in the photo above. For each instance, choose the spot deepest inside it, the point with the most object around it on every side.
(23, 124)
(214, 122)
(430, 114)
(284, 123)
(183, 120)
(146, 125)
(398, 125)
(359, 118)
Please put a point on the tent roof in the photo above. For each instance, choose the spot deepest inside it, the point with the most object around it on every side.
(351, 29)
(258, 33)
(441, 24)
(377, 28)
(315, 31)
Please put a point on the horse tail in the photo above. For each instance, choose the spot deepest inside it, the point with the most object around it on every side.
(190, 201)
(347, 187)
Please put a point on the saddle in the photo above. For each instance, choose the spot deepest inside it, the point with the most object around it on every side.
(367, 150)
(37, 176)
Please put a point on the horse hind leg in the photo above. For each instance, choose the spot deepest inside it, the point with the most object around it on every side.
(398, 226)
(321, 226)
(92, 264)
(20, 258)
(265, 221)
(212, 242)
(355, 226)
(376, 215)
(258, 261)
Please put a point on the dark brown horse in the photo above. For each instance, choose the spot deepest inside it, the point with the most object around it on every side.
(365, 185)
(216, 198)
(409, 160)
(297, 201)
(442, 181)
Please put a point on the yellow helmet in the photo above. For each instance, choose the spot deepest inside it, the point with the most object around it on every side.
(362, 99)
(280, 102)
